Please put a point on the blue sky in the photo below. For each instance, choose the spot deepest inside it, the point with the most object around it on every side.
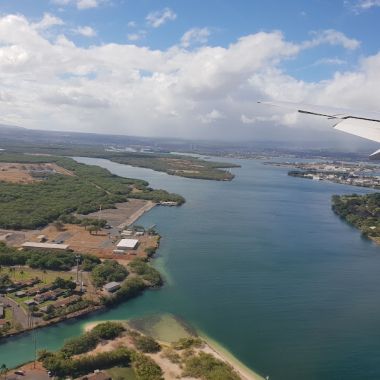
(316, 43)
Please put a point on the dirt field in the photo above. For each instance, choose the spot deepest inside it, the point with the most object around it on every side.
(23, 173)
(101, 245)
(125, 214)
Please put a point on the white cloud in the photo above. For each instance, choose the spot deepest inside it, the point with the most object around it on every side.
(159, 18)
(211, 117)
(330, 61)
(332, 37)
(87, 4)
(367, 4)
(195, 36)
(136, 36)
(132, 24)
(47, 22)
(85, 31)
(80, 4)
(124, 88)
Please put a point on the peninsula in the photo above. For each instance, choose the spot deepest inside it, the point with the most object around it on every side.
(362, 211)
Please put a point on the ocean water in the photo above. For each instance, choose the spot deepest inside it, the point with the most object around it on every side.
(262, 266)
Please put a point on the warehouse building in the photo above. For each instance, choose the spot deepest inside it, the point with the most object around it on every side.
(127, 244)
(32, 245)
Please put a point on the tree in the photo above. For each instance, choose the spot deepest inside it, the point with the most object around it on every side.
(59, 226)
(3, 370)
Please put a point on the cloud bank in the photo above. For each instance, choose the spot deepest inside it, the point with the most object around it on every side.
(204, 92)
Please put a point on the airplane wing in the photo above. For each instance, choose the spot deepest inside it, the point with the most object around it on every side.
(362, 125)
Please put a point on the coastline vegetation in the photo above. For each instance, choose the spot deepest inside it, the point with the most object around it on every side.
(362, 211)
(49, 260)
(63, 363)
(34, 205)
(89, 340)
(108, 271)
(172, 164)
(147, 272)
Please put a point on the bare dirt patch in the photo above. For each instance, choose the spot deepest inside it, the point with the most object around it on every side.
(125, 213)
(101, 244)
(27, 173)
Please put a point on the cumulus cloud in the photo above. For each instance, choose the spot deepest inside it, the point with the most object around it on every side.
(124, 88)
(85, 31)
(195, 36)
(159, 18)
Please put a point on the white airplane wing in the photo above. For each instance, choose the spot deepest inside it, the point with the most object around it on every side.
(363, 125)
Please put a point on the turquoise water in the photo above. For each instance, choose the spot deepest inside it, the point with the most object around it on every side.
(263, 266)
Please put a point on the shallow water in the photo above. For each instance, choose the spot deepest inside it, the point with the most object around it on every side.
(263, 266)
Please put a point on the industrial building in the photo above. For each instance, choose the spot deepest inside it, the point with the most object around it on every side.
(126, 244)
(32, 245)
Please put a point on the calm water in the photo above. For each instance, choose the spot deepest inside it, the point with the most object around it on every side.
(263, 266)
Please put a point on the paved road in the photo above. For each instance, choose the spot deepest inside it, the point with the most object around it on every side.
(19, 314)
(30, 374)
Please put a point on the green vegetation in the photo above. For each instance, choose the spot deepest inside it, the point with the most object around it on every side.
(60, 312)
(145, 368)
(62, 363)
(173, 164)
(145, 343)
(130, 288)
(62, 367)
(36, 204)
(109, 270)
(122, 373)
(5, 281)
(58, 261)
(148, 273)
(61, 283)
(362, 211)
(207, 367)
(172, 355)
(186, 343)
(89, 340)
(180, 165)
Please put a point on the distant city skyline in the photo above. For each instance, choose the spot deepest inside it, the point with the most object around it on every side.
(187, 69)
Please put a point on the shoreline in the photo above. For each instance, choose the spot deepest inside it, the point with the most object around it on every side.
(244, 372)
(211, 346)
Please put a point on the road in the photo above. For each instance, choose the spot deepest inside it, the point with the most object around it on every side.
(19, 314)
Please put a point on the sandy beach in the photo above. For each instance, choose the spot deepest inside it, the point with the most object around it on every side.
(171, 370)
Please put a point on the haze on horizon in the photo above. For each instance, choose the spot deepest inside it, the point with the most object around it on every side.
(171, 68)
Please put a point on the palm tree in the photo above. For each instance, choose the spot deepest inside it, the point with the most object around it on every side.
(3, 370)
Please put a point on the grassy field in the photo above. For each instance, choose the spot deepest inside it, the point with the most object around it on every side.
(8, 314)
(25, 273)
(122, 373)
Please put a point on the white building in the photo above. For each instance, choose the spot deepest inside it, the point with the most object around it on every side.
(126, 244)
(30, 244)
(112, 286)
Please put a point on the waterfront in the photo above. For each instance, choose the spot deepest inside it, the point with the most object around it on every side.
(263, 266)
